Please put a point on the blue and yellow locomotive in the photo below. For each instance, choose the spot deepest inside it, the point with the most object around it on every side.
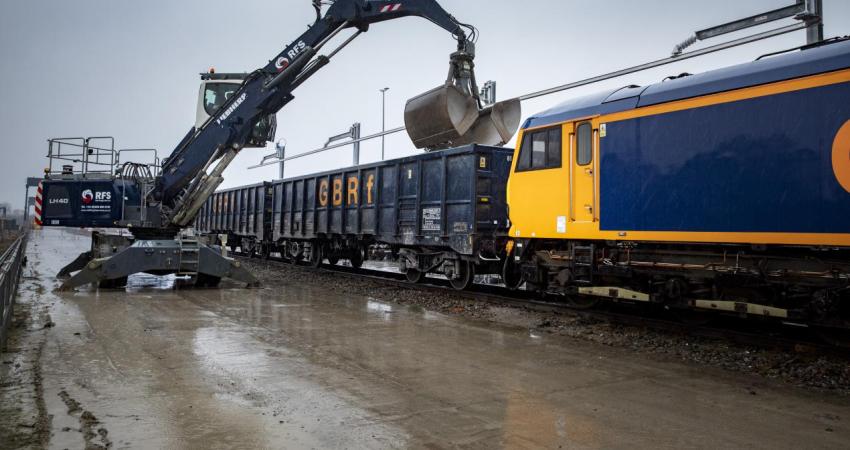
(726, 190)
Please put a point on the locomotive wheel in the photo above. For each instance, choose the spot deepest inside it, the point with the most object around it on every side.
(835, 336)
(694, 317)
(510, 276)
(465, 278)
(316, 255)
(414, 276)
(356, 258)
(583, 301)
(831, 319)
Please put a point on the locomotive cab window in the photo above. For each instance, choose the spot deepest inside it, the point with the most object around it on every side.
(540, 149)
(584, 153)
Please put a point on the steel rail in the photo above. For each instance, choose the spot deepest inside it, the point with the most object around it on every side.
(771, 335)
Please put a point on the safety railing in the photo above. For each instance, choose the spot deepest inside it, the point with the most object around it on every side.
(95, 157)
(81, 155)
(11, 266)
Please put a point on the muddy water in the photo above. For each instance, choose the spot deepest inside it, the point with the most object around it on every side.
(298, 367)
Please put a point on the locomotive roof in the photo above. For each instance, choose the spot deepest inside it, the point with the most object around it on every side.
(824, 58)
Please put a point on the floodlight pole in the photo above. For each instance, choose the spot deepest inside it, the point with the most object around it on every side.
(383, 119)
(814, 32)
(280, 153)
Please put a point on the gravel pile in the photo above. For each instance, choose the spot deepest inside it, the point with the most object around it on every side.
(802, 368)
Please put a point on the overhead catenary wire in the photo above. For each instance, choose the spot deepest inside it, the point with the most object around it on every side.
(587, 81)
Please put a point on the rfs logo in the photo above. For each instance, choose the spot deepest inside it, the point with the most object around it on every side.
(283, 61)
(88, 197)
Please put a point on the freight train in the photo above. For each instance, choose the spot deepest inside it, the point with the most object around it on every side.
(727, 190)
(442, 212)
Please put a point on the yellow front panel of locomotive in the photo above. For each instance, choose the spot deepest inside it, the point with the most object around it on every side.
(539, 199)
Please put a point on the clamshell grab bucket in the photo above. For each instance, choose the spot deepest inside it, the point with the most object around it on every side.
(446, 116)
(496, 124)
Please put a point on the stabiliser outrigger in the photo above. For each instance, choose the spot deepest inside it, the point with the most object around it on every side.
(156, 208)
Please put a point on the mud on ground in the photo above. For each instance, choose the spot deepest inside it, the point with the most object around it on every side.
(24, 422)
(801, 368)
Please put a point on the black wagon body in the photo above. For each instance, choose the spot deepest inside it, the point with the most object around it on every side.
(450, 203)
(242, 212)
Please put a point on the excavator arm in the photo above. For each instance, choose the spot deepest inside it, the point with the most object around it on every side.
(193, 171)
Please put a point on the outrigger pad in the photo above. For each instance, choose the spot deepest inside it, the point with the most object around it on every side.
(213, 264)
(160, 257)
(447, 117)
(75, 265)
(102, 245)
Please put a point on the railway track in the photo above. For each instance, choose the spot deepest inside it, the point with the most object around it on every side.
(768, 335)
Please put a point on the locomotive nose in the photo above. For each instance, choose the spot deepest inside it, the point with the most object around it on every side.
(446, 116)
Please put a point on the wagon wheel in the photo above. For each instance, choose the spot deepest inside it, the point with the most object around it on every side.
(283, 250)
(333, 259)
(356, 258)
(315, 255)
(465, 277)
(295, 253)
(414, 276)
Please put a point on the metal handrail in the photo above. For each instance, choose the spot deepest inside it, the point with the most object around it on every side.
(89, 155)
(11, 265)
(88, 159)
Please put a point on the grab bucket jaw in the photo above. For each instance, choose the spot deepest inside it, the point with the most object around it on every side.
(496, 124)
(446, 116)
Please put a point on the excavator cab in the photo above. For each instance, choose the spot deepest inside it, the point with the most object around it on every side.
(216, 89)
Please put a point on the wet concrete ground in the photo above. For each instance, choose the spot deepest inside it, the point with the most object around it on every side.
(303, 367)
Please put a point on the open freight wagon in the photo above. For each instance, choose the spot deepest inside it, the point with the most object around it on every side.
(442, 212)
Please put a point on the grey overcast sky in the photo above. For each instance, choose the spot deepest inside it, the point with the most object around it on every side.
(129, 69)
